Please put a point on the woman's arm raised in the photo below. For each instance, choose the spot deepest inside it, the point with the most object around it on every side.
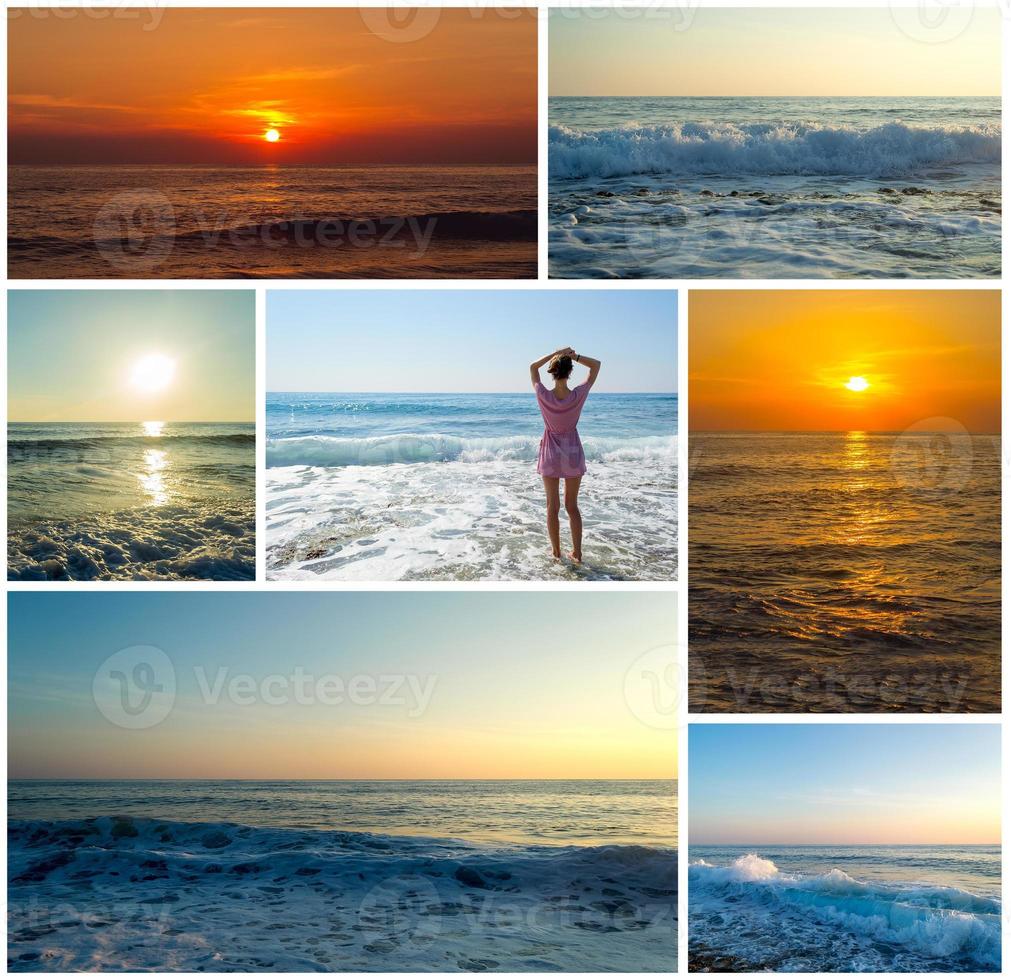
(588, 362)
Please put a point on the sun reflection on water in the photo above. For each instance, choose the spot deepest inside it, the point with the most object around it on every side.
(153, 429)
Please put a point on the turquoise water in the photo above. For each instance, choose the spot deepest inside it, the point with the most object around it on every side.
(851, 908)
(387, 486)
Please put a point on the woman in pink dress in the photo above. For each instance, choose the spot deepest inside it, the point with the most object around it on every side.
(561, 453)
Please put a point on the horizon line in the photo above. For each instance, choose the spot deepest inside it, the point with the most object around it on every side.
(999, 95)
(822, 432)
(839, 844)
(342, 779)
(419, 391)
(198, 163)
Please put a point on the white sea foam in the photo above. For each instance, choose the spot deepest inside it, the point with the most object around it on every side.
(767, 149)
(481, 516)
(416, 448)
(924, 920)
(140, 894)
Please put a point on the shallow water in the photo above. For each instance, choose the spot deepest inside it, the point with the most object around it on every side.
(131, 500)
(263, 222)
(457, 876)
(774, 188)
(844, 572)
(380, 487)
(843, 908)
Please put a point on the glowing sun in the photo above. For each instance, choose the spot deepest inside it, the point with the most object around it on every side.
(857, 384)
(152, 373)
(271, 135)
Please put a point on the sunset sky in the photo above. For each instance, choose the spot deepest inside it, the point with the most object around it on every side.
(844, 784)
(685, 50)
(131, 355)
(523, 685)
(844, 360)
(352, 86)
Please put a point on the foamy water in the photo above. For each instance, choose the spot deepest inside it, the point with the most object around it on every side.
(262, 222)
(857, 909)
(775, 188)
(131, 501)
(380, 487)
(327, 876)
(845, 572)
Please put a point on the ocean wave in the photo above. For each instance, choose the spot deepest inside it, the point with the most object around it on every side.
(436, 448)
(263, 898)
(20, 447)
(934, 921)
(889, 150)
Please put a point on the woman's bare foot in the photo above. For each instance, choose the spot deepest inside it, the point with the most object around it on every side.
(556, 556)
(578, 559)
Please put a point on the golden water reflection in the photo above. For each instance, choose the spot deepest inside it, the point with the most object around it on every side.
(152, 478)
(153, 429)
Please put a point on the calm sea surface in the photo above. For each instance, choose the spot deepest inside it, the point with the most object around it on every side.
(845, 572)
(262, 222)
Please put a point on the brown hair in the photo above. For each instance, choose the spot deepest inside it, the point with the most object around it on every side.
(560, 367)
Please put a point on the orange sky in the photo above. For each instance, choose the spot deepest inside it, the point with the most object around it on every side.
(781, 359)
(203, 85)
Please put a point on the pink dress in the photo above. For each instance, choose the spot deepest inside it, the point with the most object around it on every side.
(561, 452)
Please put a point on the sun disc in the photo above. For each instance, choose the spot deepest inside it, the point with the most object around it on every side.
(152, 373)
(857, 384)
(271, 135)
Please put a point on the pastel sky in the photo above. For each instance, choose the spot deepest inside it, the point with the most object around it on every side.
(844, 784)
(782, 360)
(684, 50)
(342, 86)
(466, 340)
(72, 355)
(526, 685)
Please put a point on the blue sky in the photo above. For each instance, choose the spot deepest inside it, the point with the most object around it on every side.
(70, 355)
(690, 51)
(526, 685)
(844, 784)
(466, 340)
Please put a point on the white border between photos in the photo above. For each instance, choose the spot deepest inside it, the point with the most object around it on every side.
(683, 287)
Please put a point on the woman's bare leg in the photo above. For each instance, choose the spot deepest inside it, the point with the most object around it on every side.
(575, 518)
(554, 506)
